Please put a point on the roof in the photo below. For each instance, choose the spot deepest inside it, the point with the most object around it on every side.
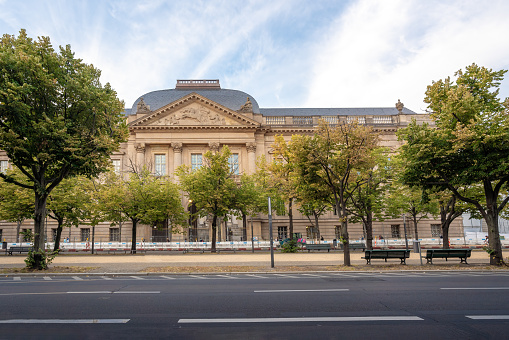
(232, 99)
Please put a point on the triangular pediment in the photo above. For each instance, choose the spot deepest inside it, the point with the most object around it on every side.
(194, 111)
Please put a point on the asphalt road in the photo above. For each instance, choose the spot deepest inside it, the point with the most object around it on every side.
(389, 305)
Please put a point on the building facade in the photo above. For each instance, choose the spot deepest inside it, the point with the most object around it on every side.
(177, 126)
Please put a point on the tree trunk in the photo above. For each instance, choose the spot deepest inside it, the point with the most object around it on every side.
(58, 236)
(414, 219)
(39, 215)
(369, 231)
(317, 226)
(290, 216)
(18, 227)
(219, 230)
(444, 226)
(344, 233)
(133, 236)
(244, 227)
(495, 247)
(214, 227)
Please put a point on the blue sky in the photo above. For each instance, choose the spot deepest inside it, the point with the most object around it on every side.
(285, 53)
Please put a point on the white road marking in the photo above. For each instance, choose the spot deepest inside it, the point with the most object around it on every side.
(77, 278)
(96, 292)
(474, 288)
(304, 319)
(258, 276)
(167, 277)
(65, 321)
(116, 292)
(488, 317)
(140, 292)
(226, 276)
(301, 290)
(198, 277)
(47, 278)
(17, 278)
(106, 278)
(286, 275)
(137, 277)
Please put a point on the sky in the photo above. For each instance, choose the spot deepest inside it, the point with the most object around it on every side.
(284, 53)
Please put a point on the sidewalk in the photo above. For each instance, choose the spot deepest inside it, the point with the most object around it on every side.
(240, 261)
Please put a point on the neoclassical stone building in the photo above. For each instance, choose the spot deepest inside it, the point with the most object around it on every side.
(177, 126)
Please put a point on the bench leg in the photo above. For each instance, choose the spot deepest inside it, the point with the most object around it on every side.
(463, 260)
(429, 260)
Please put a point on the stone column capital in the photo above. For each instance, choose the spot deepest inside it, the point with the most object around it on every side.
(177, 147)
(214, 146)
(251, 146)
(140, 147)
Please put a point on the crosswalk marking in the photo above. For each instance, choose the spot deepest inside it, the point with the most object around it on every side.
(137, 277)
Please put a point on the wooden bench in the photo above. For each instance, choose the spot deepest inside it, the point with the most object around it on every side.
(401, 254)
(462, 254)
(18, 249)
(353, 246)
(321, 246)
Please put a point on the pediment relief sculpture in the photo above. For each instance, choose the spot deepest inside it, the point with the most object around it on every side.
(194, 115)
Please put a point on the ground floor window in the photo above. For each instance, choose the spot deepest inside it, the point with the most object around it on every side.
(337, 232)
(436, 230)
(311, 233)
(85, 234)
(282, 233)
(114, 234)
(27, 235)
(395, 231)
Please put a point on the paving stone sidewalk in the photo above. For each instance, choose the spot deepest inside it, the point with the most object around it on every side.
(242, 261)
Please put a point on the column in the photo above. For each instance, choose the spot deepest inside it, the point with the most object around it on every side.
(177, 155)
(140, 154)
(251, 156)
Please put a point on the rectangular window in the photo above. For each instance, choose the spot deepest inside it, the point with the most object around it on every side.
(337, 232)
(160, 161)
(27, 235)
(282, 233)
(85, 234)
(395, 231)
(436, 230)
(3, 166)
(114, 234)
(116, 166)
(196, 161)
(233, 160)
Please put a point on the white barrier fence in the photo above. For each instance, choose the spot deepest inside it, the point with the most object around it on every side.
(470, 239)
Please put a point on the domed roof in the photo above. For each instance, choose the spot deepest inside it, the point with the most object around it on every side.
(232, 99)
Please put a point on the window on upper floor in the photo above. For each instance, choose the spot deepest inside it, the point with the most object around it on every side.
(3, 166)
(196, 161)
(233, 161)
(116, 165)
(160, 165)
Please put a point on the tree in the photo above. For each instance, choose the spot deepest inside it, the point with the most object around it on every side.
(56, 119)
(211, 187)
(16, 203)
(143, 199)
(282, 176)
(335, 156)
(67, 204)
(369, 192)
(469, 147)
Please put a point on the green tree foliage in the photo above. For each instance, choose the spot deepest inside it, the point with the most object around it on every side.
(368, 200)
(336, 156)
(212, 187)
(67, 204)
(141, 198)
(469, 147)
(282, 177)
(56, 119)
(16, 203)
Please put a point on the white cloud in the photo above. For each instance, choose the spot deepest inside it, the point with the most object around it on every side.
(384, 50)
